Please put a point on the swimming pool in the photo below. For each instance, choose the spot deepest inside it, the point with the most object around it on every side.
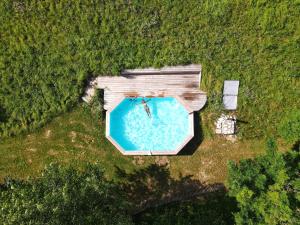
(167, 128)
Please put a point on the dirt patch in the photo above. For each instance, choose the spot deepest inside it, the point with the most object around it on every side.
(231, 138)
(81, 138)
(72, 122)
(79, 146)
(48, 133)
(203, 176)
(52, 152)
(206, 162)
(31, 149)
(162, 161)
(73, 136)
(138, 160)
(88, 139)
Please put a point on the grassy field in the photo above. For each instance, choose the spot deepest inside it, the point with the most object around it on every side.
(76, 137)
(49, 48)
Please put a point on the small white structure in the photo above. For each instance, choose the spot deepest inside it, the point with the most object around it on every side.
(230, 92)
(226, 124)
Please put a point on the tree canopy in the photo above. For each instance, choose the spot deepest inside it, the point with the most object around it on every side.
(64, 195)
(267, 188)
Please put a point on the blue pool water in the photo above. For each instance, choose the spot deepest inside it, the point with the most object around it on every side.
(133, 129)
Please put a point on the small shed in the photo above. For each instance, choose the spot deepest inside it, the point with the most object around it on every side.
(230, 92)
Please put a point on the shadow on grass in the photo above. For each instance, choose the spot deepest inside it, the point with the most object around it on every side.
(3, 115)
(296, 146)
(215, 209)
(153, 186)
(152, 193)
(242, 121)
(193, 145)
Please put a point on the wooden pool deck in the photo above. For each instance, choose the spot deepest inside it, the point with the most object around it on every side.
(180, 81)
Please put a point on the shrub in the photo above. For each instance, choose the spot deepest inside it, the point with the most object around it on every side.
(266, 188)
(63, 195)
(289, 127)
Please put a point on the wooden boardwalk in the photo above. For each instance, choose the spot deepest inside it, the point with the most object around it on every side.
(181, 81)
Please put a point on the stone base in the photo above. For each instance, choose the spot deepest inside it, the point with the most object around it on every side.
(225, 125)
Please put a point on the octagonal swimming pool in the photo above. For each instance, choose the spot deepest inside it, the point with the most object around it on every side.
(164, 129)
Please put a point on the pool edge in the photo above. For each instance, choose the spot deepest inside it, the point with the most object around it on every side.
(149, 152)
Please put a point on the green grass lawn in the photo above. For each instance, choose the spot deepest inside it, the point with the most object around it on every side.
(76, 137)
(49, 49)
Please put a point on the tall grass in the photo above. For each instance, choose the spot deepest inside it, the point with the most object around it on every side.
(49, 48)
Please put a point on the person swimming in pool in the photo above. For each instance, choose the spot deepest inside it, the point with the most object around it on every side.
(146, 107)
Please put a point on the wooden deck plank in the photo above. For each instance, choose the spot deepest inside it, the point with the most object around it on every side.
(181, 81)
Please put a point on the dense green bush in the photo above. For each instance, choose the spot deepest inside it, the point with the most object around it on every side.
(289, 128)
(64, 195)
(96, 104)
(49, 48)
(267, 188)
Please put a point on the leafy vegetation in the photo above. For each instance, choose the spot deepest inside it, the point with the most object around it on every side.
(267, 188)
(64, 195)
(49, 48)
(96, 104)
(290, 127)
